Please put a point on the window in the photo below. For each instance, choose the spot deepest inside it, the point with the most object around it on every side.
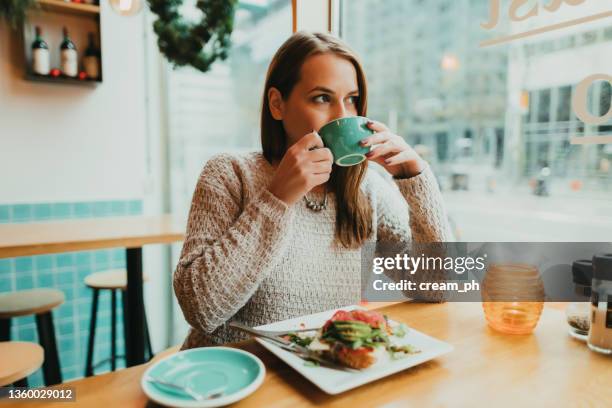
(532, 105)
(588, 38)
(544, 106)
(567, 42)
(486, 136)
(442, 146)
(218, 111)
(564, 99)
(605, 96)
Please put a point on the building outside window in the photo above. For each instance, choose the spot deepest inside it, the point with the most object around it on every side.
(499, 118)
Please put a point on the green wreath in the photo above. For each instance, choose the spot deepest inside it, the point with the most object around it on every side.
(14, 11)
(198, 45)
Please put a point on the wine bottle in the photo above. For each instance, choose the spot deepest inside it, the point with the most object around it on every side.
(91, 61)
(40, 55)
(68, 51)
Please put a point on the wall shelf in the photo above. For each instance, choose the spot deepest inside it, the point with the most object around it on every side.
(60, 6)
(52, 15)
(61, 80)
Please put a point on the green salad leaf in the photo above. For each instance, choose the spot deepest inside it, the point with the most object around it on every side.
(400, 330)
(299, 340)
(356, 334)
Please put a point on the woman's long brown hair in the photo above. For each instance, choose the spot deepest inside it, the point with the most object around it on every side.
(353, 210)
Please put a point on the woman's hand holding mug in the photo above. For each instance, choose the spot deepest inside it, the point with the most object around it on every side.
(305, 165)
(392, 152)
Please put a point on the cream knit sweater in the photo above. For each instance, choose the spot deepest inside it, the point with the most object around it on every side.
(247, 255)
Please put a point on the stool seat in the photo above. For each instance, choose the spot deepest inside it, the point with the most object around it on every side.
(29, 302)
(110, 279)
(19, 359)
(114, 280)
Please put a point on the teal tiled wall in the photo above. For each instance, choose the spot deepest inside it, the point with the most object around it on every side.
(66, 272)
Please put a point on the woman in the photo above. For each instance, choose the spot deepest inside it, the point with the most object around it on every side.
(256, 248)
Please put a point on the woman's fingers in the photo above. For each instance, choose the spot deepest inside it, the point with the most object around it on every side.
(321, 154)
(320, 178)
(321, 167)
(310, 141)
(376, 138)
(320, 160)
(377, 126)
(383, 149)
(397, 158)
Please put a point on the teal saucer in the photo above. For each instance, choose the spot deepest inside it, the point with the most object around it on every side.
(208, 370)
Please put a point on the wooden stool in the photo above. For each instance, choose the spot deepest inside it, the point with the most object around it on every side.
(113, 280)
(38, 302)
(19, 359)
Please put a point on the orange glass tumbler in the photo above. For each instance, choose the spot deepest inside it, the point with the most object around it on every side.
(513, 297)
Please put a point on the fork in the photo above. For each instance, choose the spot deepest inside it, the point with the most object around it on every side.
(268, 334)
(300, 351)
(306, 353)
(185, 389)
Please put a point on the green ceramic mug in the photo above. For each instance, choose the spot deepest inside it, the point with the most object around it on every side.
(342, 137)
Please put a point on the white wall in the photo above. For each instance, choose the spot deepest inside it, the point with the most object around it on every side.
(72, 143)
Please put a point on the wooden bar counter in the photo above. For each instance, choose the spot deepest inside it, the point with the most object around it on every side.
(546, 368)
(130, 233)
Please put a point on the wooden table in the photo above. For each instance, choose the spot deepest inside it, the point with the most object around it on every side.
(97, 233)
(547, 368)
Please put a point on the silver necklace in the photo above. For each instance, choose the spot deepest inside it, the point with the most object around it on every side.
(315, 206)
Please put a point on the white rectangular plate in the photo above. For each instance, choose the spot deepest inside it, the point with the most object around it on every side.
(334, 381)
